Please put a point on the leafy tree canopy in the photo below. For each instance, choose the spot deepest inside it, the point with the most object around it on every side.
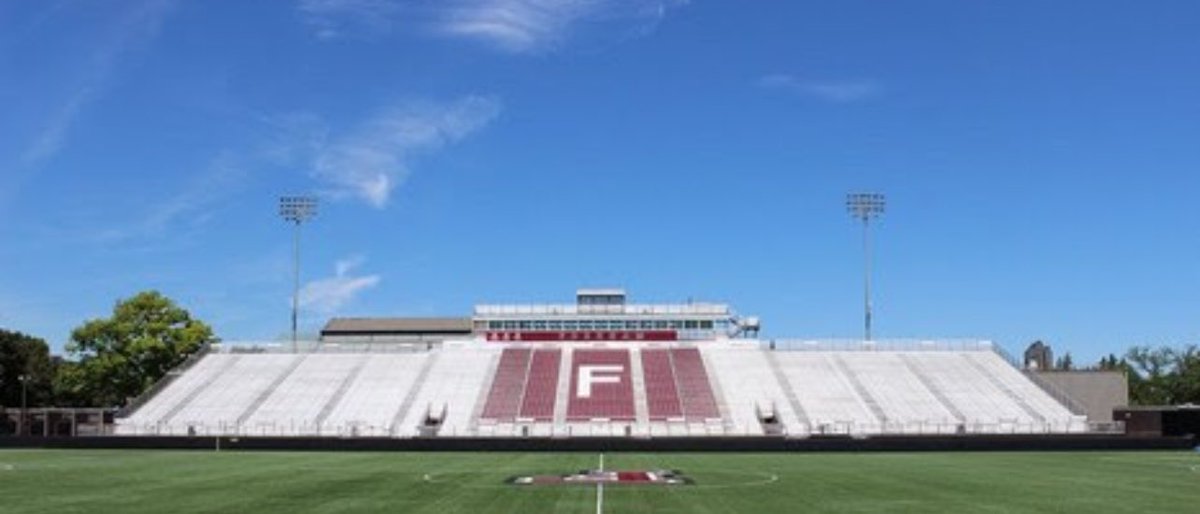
(1161, 376)
(117, 358)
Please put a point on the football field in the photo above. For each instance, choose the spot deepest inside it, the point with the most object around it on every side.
(101, 481)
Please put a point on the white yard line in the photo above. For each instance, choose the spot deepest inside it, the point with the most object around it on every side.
(600, 490)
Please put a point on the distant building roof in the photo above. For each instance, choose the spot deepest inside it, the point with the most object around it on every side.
(372, 326)
(600, 291)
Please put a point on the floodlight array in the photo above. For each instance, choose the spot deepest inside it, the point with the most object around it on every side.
(297, 209)
(866, 206)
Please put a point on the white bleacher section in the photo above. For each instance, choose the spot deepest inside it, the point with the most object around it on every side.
(294, 405)
(222, 388)
(1017, 385)
(982, 404)
(827, 397)
(219, 406)
(748, 385)
(454, 382)
(166, 402)
(906, 404)
(810, 391)
(369, 406)
(904, 392)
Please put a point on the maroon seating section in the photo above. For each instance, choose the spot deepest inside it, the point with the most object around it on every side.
(526, 384)
(504, 398)
(662, 395)
(613, 401)
(541, 387)
(694, 388)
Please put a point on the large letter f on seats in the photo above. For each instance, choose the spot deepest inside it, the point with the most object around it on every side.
(597, 374)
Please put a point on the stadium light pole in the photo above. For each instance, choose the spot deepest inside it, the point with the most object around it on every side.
(296, 210)
(24, 379)
(866, 207)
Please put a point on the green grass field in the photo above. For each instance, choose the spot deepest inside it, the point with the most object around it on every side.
(98, 481)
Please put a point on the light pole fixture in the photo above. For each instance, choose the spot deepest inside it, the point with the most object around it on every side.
(866, 207)
(296, 210)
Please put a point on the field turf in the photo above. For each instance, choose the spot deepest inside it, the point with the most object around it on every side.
(100, 481)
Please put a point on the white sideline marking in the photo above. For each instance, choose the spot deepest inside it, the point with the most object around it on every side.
(600, 490)
(768, 479)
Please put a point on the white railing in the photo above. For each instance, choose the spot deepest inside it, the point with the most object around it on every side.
(623, 429)
(1048, 387)
(319, 347)
(570, 309)
(881, 345)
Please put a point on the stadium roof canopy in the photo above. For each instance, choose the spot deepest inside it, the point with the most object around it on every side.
(380, 326)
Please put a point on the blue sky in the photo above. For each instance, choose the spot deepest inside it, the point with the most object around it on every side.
(1040, 159)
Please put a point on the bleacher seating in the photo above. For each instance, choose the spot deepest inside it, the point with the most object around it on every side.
(750, 384)
(519, 390)
(163, 406)
(695, 388)
(826, 396)
(980, 401)
(454, 382)
(662, 394)
(294, 405)
(1017, 386)
(903, 401)
(609, 394)
(369, 405)
(504, 399)
(541, 386)
(223, 402)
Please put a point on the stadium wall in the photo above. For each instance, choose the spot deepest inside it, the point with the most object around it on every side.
(1098, 392)
(1159, 421)
(1066, 442)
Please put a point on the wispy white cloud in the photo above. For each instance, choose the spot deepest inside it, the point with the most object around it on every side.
(292, 138)
(333, 18)
(515, 26)
(521, 26)
(366, 162)
(50, 139)
(327, 295)
(838, 91)
(376, 157)
(224, 176)
(135, 29)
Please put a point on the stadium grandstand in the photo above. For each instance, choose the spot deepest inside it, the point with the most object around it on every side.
(600, 367)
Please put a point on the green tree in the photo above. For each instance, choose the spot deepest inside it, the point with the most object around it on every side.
(1111, 363)
(114, 359)
(1185, 388)
(1164, 375)
(1065, 363)
(22, 354)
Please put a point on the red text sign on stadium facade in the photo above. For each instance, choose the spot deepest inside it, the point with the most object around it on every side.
(586, 335)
